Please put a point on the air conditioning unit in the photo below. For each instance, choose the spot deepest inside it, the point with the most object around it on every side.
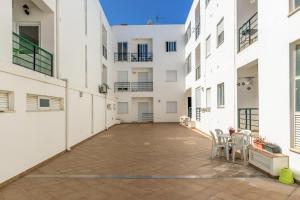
(103, 88)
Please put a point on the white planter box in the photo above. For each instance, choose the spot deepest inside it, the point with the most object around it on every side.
(268, 162)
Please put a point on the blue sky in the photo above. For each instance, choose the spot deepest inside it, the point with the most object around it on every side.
(140, 11)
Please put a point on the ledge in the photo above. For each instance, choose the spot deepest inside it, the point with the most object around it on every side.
(295, 150)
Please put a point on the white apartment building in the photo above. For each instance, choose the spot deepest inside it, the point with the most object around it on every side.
(149, 62)
(66, 74)
(242, 58)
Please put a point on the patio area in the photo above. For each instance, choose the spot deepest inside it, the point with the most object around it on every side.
(145, 161)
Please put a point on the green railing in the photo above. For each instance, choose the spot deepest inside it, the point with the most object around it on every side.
(31, 56)
(248, 118)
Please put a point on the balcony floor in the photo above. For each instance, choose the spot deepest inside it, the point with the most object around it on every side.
(145, 161)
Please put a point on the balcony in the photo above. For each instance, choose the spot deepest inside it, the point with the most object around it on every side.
(29, 55)
(134, 87)
(122, 57)
(248, 33)
(141, 57)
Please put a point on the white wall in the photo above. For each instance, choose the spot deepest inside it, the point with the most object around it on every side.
(29, 138)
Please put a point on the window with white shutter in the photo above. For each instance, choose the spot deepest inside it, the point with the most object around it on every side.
(296, 136)
(171, 76)
(43, 103)
(4, 101)
(122, 107)
(171, 107)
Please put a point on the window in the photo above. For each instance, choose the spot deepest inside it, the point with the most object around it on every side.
(220, 32)
(297, 4)
(198, 103)
(171, 107)
(171, 47)
(122, 76)
(5, 101)
(221, 95)
(208, 98)
(208, 46)
(122, 51)
(122, 107)
(198, 97)
(188, 33)
(188, 64)
(171, 76)
(296, 138)
(43, 103)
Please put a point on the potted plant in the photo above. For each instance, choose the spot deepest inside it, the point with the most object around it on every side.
(259, 143)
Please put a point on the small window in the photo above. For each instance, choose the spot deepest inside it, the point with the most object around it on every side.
(171, 47)
(208, 46)
(188, 33)
(220, 32)
(188, 64)
(171, 107)
(221, 95)
(208, 98)
(43, 103)
(171, 76)
(122, 107)
(5, 101)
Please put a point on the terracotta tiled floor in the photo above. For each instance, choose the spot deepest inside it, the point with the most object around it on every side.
(161, 161)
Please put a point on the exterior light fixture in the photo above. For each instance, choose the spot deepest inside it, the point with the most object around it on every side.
(26, 9)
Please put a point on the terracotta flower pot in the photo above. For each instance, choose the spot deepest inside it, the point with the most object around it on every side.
(259, 145)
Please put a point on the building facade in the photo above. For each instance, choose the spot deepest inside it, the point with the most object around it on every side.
(243, 60)
(66, 74)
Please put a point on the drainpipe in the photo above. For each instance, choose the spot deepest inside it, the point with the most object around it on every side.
(105, 111)
(234, 62)
(67, 146)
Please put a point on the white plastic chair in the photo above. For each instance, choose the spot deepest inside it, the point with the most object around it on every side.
(217, 147)
(239, 143)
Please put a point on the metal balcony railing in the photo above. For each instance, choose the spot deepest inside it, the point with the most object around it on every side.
(142, 86)
(190, 112)
(122, 87)
(198, 73)
(31, 56)
(147, 117)
(122, 57)
(248, 33)
(248, 118)
(141, 57)
(197, 31)
(134, 87)
(198, 114)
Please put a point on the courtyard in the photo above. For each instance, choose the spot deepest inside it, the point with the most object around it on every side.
(145, 161)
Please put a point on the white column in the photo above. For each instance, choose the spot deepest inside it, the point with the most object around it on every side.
(6, 31)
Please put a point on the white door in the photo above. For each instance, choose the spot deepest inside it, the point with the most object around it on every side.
(143, 77)
(143, 107)
(122, 76)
